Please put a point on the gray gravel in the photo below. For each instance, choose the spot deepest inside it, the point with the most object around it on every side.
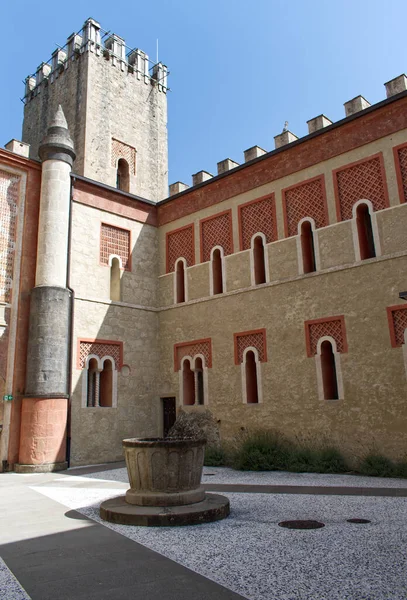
(250, 554)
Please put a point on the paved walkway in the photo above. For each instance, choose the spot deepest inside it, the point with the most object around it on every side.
(57, 553)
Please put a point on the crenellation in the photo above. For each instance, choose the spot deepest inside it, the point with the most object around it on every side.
(226, 165)
(284, 138)
(356, 105)
(177, 187)
(200, 177)
(43, 72)
(317, 123)
(396, 86)
(74, 45)
(253, 152)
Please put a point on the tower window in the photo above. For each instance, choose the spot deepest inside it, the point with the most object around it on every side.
(123, 175)
(199, 382)
(307, 248)
(106, 384)
(259, 260)
(329, 375)
(365, 232)
(92, 392)
(252, 393)
(217, 275)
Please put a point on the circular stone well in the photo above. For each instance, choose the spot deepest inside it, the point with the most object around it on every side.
(165, 486)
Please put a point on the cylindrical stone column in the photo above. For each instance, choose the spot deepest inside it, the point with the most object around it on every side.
(44, 410)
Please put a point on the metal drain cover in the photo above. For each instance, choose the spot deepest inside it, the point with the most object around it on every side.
(358, 520)
(301, 524)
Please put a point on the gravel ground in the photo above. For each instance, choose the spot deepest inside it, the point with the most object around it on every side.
(250, 554)
(225, 475)
(10, 589)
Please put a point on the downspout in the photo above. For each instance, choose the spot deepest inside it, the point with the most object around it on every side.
(71, 326)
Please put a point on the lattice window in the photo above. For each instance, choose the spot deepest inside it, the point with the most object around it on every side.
(256, 339)
(216, 231)
(398, 324)
(100, 349)
(402, 158)
(114, 240)
(122, 150)
(331, 326)
(361, 181)
(191, 349)
(257, 216)
(9, 191)
(180, 243)
(305, 200)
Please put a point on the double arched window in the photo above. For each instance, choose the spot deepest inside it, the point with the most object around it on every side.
(193, 381)
(100, 382)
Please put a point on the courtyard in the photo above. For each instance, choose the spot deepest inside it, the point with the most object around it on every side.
(54, 545)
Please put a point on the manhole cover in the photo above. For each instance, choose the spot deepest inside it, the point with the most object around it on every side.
(301, 524)
(358, 520)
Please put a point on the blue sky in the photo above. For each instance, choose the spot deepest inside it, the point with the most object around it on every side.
(239, 69)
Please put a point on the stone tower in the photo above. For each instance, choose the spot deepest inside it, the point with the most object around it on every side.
(115, 105)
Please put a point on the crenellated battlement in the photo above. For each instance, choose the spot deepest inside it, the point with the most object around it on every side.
(108, 46)
(352, 107)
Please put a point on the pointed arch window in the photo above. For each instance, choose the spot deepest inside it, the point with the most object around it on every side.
(123, 175)
(259, 272)
(307, 247)
(217, 274)
(115, 278)
(365, 232)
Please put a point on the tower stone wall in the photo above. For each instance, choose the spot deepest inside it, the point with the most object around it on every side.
(115, 105)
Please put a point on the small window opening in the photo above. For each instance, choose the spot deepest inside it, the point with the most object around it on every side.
(307, 247)
(115, 283)
(252, 395)
(188, 384)
(217, 277)
(259, 261)
(365, 232)
(199, 381)
(180, 282)
(123, 175)
(106, 384)
(328, 367)
(92, 394)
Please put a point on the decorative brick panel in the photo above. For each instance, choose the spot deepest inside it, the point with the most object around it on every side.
(9, 191)
(122, 150)
(114, 240)
(330, 326)
(363, 180)
(400, 155)
(257, 216)
(180, 243)
(397, 316)
(216, 231)
(255, 339)
(306, 199)
(191, 349)
(100, 348)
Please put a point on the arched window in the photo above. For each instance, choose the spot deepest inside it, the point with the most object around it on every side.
(180, 281)
(328, 368)
(252, 393)
(259, 265)
(365, 232)
(123, 175)
(92, 392)
(188, 383)
(307, 247)
(199, 382)
(115, 283)
(106, 384)
(217, 275)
